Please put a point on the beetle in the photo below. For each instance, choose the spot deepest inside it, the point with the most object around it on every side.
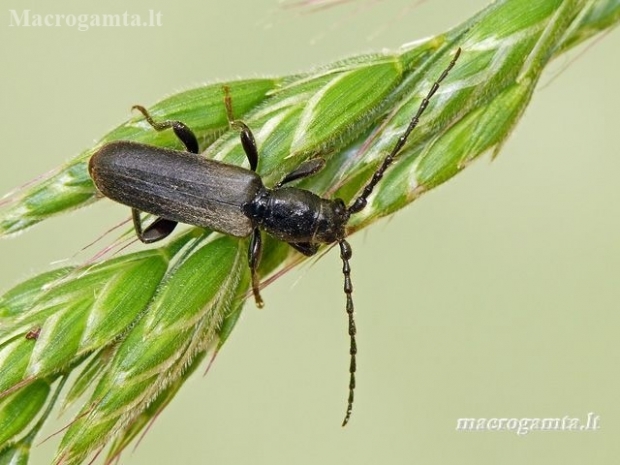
(182, 187)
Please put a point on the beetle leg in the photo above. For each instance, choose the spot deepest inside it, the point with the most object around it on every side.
(306, 248)
(185, 134)
(254, 253)
(345, 255)
(248, 142)
(247, 138)
(156, 231)
(307, 168)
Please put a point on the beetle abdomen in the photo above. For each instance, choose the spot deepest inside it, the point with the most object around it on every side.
(176, 185)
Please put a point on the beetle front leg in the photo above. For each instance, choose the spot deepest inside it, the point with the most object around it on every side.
(254, 253)
(156, 231)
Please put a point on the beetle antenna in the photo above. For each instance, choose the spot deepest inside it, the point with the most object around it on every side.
(345, 254)
(360, 202)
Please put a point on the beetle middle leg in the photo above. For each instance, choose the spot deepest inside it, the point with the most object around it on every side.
(162, 227)
(308, 168)
(248, 143)
(254, 252)
(251, 151)
(245, 133)
(256, 242)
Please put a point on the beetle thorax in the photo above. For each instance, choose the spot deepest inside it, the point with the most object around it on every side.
(296, 215)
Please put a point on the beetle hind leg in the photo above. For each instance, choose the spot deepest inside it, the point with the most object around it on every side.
(156, 231)
(184, 133)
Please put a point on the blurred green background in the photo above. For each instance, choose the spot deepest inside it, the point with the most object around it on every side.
(495, 295)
